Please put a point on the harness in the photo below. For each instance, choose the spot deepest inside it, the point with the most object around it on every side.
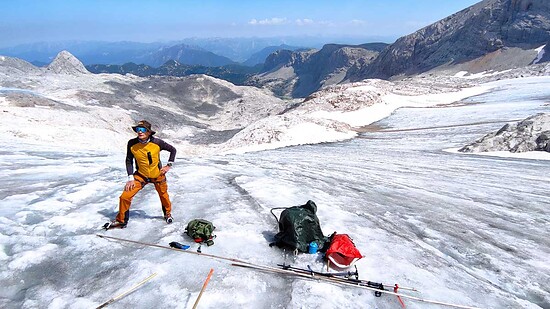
(149, 180)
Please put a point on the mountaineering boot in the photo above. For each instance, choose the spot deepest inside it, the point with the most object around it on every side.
(169, 218)
(114, 224)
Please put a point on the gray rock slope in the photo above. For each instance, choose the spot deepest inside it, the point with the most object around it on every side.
(198, 109)
(66, 63)
(491, 28)
(298, 74)
(530, 134)
(12, 66)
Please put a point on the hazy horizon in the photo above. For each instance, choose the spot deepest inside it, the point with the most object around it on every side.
(313, 38)
(143, 21)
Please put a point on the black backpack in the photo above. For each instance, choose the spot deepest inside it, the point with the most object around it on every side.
(298, 227)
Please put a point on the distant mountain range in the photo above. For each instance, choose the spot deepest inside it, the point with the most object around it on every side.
(43, 53)
(492, 35)
(184, 60)
(236, 74)
(189, 55)
(201, 51)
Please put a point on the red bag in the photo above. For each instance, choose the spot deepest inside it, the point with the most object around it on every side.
(342, 251)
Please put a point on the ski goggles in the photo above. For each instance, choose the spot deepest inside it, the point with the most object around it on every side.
(140, 130)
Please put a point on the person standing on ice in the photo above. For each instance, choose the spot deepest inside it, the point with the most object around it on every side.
(145, 150)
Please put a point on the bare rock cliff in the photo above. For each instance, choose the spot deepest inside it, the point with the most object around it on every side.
(476, 31)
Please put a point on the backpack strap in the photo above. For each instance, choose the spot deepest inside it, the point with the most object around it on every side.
(272, 209)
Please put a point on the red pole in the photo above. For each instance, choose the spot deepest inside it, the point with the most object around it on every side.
(203, 287)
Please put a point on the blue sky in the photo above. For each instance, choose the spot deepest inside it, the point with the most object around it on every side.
(149, 21)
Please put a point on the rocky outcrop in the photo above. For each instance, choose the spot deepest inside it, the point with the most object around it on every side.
(66, 63)
(530, 134)
(476, 31)
(286, 58)
(298, 74)
(261, 56)
(13, 66)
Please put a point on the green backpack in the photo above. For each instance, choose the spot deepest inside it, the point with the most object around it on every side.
(201, 231)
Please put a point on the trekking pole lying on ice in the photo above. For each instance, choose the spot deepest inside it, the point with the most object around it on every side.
(345, 277)
(203, 287)
(306, 276)
(135, 287)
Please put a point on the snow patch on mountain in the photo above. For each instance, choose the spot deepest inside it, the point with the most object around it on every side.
(287, 130)
(338, 112)
(540, 54)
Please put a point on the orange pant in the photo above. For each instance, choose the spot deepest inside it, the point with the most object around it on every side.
(126, 197)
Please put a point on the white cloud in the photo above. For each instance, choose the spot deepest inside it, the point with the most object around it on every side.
(275, 21)
(269, 21)
(304, 22)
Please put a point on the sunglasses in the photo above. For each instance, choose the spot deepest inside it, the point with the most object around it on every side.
(140, 130)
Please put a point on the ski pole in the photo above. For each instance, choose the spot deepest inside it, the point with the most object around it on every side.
(336, 276)
(332, 279)
(343, 273)
(241, 263)
(135, 287)
(203, 287)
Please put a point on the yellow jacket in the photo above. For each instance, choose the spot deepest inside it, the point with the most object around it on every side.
(146, 156)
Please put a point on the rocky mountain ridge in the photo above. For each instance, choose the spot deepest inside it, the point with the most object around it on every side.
(467, 40)
(260, 57)
(236, 74)
(298, 74)
(490, 36)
